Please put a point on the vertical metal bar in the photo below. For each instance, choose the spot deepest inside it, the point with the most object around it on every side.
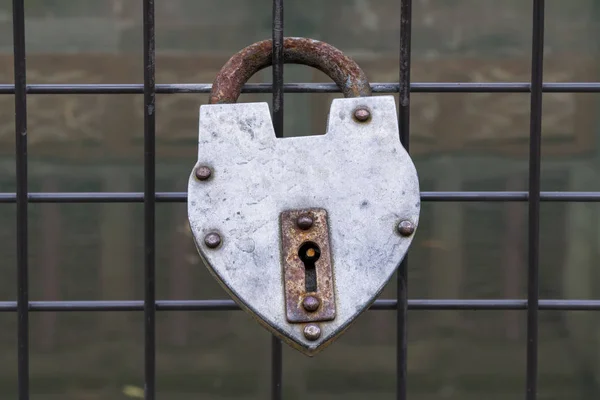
(22, 203)
(404, 124)
(276, 368)
(537, 61)
(278, 67)
(276, 350)
(149, 202)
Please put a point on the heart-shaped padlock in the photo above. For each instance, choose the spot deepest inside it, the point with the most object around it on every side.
(302, 232)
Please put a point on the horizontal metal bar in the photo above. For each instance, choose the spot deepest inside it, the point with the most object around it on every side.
(389, 87)
(230, 305)
(181, 197)
(489, 196)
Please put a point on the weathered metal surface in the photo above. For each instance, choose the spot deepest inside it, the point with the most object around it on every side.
(299, 284)
(358, 172)
(241, 66)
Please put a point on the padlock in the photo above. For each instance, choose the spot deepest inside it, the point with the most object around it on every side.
(302, 232)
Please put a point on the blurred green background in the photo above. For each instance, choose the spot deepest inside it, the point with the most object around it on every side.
(462, 250)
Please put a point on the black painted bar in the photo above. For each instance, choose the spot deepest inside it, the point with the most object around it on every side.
(535, 161)
(404, 125)
(277, 103)
(384, 87)
(149, 202)
(21, 198)
(230, 305)
(181, 197)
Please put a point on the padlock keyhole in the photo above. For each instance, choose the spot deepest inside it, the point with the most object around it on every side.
(309, 253)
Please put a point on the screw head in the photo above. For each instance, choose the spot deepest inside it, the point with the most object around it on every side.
(203, 173)
(361, 114)
(212, 240)
(310, 303)
(312, 332)
(304, 221)
(406, 228)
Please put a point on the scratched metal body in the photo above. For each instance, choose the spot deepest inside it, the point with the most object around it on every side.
(358, 172)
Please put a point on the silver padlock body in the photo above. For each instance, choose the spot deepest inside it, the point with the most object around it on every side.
(358, 172)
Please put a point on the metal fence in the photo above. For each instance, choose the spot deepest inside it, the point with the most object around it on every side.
(150, 197)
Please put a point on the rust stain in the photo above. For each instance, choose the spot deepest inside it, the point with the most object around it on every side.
(344, 71)
(293, 238)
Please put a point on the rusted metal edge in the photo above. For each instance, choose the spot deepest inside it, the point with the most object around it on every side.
(304, 305)
(344, 71)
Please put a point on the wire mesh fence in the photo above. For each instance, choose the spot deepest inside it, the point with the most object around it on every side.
(149, 197)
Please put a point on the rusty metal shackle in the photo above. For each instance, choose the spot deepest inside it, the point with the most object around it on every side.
(349, 77)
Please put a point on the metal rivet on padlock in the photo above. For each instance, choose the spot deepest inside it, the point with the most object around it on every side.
(312, 331)
(311, 303)
(203, 173)
(406, 228)
(212, 240)
(362, 114)
(315, 226)
(304, 221)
